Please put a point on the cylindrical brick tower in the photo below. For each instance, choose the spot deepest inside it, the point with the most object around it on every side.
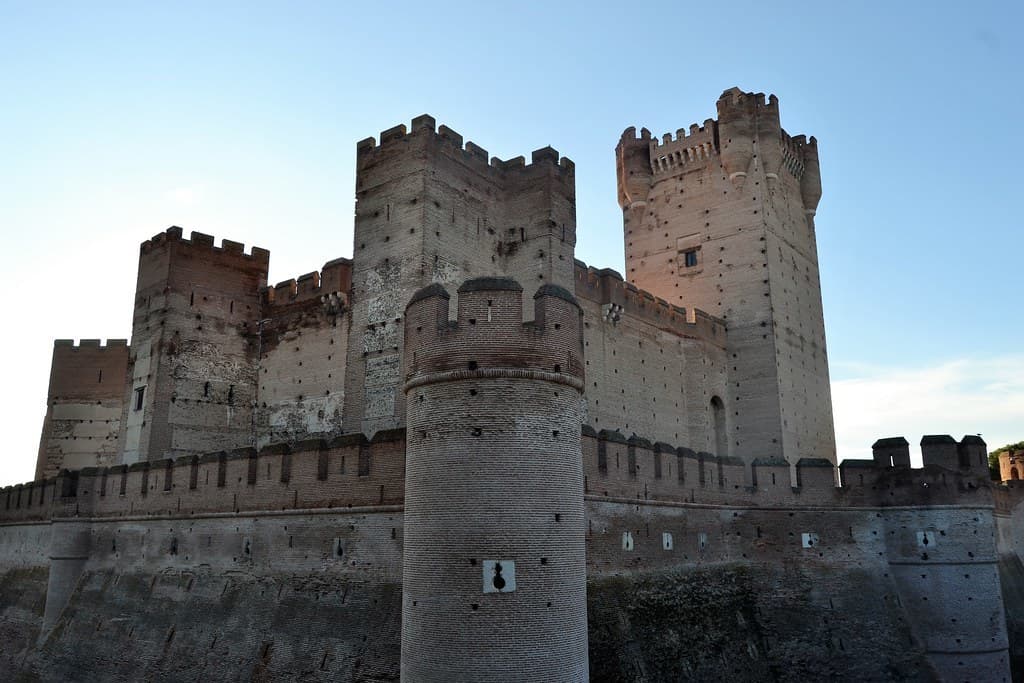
(494, 572)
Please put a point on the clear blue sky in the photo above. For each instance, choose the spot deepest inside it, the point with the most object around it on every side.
(240, 120)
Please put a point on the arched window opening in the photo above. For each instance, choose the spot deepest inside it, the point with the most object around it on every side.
(1014, 474)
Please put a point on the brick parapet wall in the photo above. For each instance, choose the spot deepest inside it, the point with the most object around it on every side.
(490, 333)
(344, 472)
(615, 469)
(334, 279)
(606, 287)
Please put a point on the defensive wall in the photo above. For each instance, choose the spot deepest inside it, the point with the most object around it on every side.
(302, 343)
(914, 552)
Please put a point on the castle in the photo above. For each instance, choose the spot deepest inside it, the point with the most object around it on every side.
(492, 462)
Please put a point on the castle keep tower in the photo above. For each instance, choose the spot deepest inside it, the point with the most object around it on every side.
(430, 209)
(722, 218)
(494, 571)
(192, 375)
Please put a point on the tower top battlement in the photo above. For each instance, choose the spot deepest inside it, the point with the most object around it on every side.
(489, 334)
(470, 153)
(200, 240)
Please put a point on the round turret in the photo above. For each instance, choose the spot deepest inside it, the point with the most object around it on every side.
(494, 571)
(736, 133)
(633, 167)
(810, 181)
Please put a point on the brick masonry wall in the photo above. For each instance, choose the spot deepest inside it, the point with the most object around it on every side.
(430, 209)
(83, 406)
(193, 347)
(488, 483)
(303, 344)
(650, 370)
(740, 194)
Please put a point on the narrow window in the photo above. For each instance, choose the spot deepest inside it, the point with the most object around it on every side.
(139, 395)
(718, 422)
(206, 389)
(99, 380)
(690, 258)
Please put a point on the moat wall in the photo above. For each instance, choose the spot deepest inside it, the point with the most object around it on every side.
(736, 591)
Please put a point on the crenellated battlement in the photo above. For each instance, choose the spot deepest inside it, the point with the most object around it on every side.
(489, 333)
(346, 471)
(331, 286)
(93, 344)
(198, 240)
(697, 146)
(607, 288)
(470, 153)
(306, 475)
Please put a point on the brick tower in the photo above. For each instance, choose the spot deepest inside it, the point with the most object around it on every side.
(432, 209)
(722, 218)
(494, 570)
(192, 368)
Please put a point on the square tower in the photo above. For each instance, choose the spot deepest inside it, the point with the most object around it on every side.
(432, 209)
(721, 217)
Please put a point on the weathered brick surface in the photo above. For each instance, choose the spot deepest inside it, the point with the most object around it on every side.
(303, 343)
(488, 482)
(83, 406)
(430, 209)
(193, 346)
(675, 428)
(740, 195)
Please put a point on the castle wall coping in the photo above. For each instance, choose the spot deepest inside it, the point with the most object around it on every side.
(431, 290)
(850, 463)
(772, 461)
(276, 449)
(496, 283)
(614, 436)
(654, 502)
(890, 441)
(935, 439)
(556, 291)
(814, 462)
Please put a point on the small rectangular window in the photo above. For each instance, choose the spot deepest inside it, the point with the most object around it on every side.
(690, 258)
(139, 394)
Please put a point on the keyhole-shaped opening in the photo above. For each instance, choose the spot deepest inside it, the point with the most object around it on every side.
(498, 581)
(924, 539)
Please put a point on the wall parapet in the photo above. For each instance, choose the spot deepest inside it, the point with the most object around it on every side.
(347, 471)
(618, 467)
(471, 154)
(351, 470)
(607, 288)
(198, 240)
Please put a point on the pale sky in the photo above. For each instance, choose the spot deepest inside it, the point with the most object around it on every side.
(240, 120)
